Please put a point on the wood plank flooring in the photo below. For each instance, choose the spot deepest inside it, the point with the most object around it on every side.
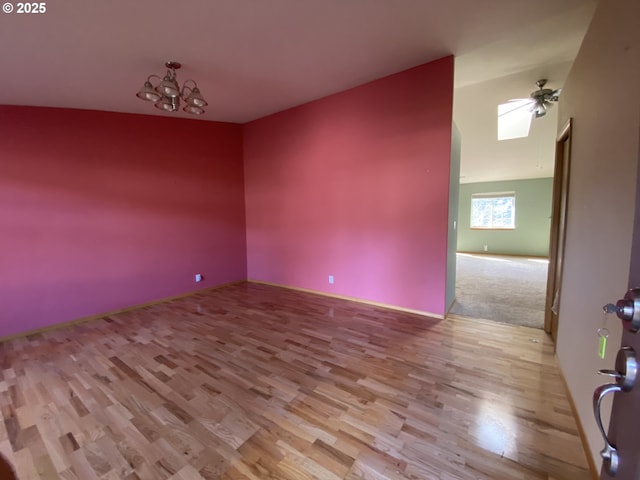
(256, 382)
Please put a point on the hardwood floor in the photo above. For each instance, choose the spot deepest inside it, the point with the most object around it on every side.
(254, 382)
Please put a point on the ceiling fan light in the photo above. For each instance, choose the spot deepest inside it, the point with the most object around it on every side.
(193, 110)
(148, 93)
(540, 110)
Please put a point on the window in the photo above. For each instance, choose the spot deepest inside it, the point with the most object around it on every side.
(514, 121)
(493, 210)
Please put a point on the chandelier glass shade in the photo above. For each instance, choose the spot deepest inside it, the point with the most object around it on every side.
(166, 94)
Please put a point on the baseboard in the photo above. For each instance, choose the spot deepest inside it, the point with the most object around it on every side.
(79, 321)
(351, 299)
(82, 320)
(595, 473)
(497, 254)
(446, 315)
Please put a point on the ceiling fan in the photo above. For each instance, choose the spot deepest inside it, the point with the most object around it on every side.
(514, 117)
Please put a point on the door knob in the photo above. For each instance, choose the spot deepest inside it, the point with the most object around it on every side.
(628, 310)
(625, 375)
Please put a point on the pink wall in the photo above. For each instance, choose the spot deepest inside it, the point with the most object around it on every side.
(356, 185)
(100, 211)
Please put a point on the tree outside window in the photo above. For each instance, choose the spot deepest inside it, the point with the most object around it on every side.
(493, 210)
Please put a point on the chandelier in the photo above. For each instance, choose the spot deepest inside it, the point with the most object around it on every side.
(166, 94)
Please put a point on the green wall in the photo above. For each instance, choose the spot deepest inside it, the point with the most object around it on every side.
(533, 219)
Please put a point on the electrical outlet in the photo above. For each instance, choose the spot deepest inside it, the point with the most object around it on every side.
(486, 248)
(331, 279)
(198, 277)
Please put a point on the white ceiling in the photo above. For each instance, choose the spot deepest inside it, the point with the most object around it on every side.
(536, 51)
(255, 57)
(484, 158)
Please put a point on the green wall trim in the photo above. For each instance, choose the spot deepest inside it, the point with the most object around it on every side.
(533, 219)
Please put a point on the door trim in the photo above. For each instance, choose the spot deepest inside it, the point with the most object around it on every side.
(558, 226)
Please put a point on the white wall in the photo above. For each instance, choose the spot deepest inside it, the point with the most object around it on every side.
(602, 95)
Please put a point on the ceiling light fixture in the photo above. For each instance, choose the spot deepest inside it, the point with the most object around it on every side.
(514, 120)
(166, 94)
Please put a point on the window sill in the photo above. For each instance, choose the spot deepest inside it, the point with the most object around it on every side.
(492, 228)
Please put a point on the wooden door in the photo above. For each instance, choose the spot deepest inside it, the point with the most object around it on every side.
(558, 222)
(624, 427)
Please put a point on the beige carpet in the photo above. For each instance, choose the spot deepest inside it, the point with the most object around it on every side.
(501, 288)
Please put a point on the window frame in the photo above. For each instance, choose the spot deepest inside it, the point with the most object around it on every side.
(493, 195)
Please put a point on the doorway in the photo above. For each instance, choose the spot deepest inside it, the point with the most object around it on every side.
(501, 269)
(557, 237)
(523, 167)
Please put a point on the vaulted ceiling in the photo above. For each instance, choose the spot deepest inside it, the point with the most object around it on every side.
(255, 57)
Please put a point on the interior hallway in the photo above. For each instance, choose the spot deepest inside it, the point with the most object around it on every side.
(251, 381)
(502, 288)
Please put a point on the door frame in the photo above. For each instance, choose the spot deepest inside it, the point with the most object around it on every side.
(558, 228)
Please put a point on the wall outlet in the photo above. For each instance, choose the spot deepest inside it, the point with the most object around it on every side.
(331, 279)
(198, 277)
(486, 248)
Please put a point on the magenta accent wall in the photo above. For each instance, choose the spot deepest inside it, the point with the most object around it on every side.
(100, 211)
(356, 185)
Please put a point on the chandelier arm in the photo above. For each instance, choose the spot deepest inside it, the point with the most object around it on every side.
(185, 87)
(153, 76)
(168, 101)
